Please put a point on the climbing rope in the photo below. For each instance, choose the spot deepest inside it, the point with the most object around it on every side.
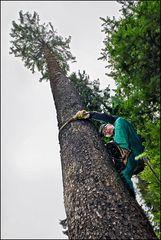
(66, 123)
(147, 162)
(151, 168)
(78, 116)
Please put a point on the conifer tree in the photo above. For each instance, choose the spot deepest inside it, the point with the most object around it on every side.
(132, 47)
(97, 204)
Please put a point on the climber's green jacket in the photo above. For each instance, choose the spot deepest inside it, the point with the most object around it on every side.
(126, 137)
(125, 134)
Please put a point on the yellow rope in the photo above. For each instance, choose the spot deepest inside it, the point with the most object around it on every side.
(66, 123)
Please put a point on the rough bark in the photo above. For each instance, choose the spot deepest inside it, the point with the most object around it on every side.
(97, 204)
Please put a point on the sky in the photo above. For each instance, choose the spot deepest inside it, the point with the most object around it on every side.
(31, 177)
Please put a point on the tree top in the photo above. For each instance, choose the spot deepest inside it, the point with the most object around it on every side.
(29, 39)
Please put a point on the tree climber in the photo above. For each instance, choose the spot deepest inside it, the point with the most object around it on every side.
(124, 135)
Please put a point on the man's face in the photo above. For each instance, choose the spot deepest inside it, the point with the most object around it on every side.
(108, 130)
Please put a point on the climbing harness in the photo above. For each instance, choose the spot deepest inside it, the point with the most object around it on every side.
(115, 154)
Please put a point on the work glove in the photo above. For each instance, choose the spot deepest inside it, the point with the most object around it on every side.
(83, 114)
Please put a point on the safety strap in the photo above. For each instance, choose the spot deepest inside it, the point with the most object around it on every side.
(66, 123)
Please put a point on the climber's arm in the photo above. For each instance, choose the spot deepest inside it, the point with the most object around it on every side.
(103, 117)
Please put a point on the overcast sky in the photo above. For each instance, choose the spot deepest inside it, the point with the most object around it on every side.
(32, 191)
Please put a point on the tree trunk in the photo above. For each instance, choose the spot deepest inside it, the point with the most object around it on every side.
(97, 204)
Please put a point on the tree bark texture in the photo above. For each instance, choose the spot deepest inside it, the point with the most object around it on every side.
(97, 204)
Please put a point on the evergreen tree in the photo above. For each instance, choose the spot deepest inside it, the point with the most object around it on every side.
(97, 204)
(93, 98)
(132, 47)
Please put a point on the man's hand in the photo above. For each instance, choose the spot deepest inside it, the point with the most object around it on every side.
(83, 114)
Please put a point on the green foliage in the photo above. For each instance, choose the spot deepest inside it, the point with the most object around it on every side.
(29, 39)
(150, 187)
(151, 133)
(92, 97)
(132, 45)
(132, 48)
